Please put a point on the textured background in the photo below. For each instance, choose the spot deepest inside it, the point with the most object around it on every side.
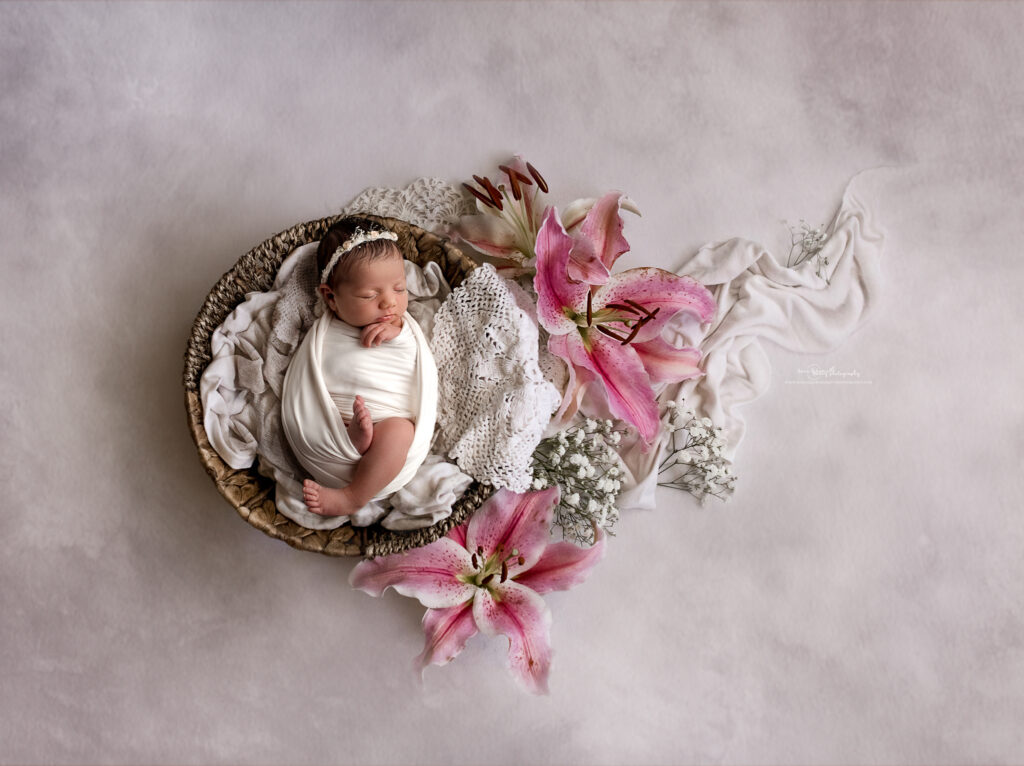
(859, 600)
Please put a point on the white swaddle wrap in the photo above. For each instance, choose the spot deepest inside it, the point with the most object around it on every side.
(311, 419)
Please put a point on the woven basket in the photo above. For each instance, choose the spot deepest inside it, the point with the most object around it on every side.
(252, 495)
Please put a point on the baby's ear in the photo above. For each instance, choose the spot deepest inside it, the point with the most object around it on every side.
(325, 292)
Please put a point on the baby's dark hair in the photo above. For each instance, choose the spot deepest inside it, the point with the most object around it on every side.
(342, 231)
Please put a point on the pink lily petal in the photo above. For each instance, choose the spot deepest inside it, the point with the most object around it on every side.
(562, 566)
(522, 616)
(446, 631)
(554, 291)
(458, 534)
(667, 364)
(514, 521)
(429, 574)
(599, 242)
(489, 234)
(579, 377)
(657, 289)
(630, 396)
(585, 265)
(574, 213)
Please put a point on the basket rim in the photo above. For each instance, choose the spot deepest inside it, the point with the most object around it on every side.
(245, 489)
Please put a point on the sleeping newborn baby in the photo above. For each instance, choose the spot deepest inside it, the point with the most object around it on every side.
(359, 401)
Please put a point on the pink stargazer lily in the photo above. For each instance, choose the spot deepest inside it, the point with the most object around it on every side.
(612, 333)
(488, 576)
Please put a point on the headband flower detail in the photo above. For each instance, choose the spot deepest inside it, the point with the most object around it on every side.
(359, 237)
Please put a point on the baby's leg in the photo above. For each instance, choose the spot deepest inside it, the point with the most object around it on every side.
(360, 428)
(380, 464)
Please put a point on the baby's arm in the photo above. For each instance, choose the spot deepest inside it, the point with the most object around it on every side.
(378, 332)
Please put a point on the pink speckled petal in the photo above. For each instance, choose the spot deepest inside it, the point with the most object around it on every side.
(599, 242)
(563, 566)
(579, 377)
(554, 290)
(656, 288)
(522, 616)
(630, 396)
(429, 574)
(667, 364)
(514, 521)
(458, 534)
(446, 632)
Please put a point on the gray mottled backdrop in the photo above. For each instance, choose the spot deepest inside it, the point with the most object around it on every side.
(859, 600)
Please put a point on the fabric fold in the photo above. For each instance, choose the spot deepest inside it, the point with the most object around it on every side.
(314, 427)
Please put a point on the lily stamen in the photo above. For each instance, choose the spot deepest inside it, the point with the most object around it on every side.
(611, 334)
(482, 197)
(538, 178)
(638, 307)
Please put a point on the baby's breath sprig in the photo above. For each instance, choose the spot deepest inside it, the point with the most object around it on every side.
(694, 460)
(807, 243)
(582, 461)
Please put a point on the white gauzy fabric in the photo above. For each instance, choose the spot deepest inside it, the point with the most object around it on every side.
(421, 503)
(382, 374)
(761, 300)
(494, 401)
(314, 427)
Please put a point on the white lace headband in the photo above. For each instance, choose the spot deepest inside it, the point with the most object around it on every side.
(359, 236)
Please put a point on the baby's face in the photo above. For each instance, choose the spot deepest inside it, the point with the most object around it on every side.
(372, 292)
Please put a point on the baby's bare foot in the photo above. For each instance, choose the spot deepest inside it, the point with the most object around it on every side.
(360, 428)
(326, 501)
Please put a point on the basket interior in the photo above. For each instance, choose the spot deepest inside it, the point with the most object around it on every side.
(252, 495)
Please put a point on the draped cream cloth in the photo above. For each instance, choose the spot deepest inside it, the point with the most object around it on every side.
(761, 300)
(314, 427)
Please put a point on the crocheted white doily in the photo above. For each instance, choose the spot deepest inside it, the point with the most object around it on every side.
(494, 403)
(429, 203)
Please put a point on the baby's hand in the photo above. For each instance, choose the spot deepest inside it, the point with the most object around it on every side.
(377, 333)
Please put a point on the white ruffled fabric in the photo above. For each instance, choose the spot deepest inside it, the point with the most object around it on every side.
(760, 300)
